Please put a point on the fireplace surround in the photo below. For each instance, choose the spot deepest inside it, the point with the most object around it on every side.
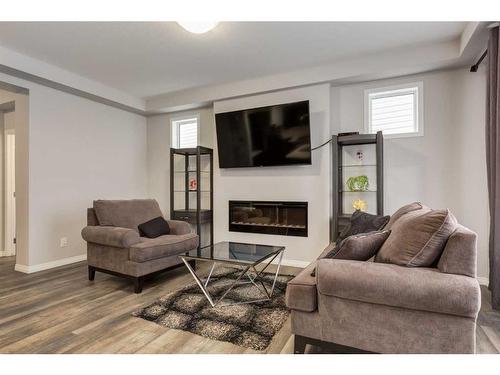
(268, 217)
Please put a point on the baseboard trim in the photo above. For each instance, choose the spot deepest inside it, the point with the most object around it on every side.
(7, 253)
(483, 280)
(46, 266)
(293, 263)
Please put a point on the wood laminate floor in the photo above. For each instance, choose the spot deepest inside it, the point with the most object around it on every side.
(60, 311)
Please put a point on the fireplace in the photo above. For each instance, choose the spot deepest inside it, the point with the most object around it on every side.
(268, 217)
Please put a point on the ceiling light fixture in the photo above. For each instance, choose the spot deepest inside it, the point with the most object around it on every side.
(198, 27)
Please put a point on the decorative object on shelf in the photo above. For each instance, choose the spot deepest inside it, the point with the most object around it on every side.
(193, 202)
(364, 153)
(359, 205)
(347, 133)
(358, 183)
(193, 184)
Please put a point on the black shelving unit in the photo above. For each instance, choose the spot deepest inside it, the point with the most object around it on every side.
(197, 163)
(341, 168)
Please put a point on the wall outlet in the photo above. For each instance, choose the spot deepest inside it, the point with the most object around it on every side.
(63, 242)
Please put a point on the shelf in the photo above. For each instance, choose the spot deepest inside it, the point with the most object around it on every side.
(191, 171)
(191, 210)
(357, 166)
(356, 139)
(191, 191)
(358, 191)
(192, 151)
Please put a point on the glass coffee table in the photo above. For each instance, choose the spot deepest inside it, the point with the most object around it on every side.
(247, 257)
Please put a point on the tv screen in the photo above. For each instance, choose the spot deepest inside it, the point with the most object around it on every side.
(265, 136)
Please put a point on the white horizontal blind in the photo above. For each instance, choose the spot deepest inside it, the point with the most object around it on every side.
(187, 133)
(393, 112)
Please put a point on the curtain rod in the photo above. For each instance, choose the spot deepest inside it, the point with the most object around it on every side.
(474, 67)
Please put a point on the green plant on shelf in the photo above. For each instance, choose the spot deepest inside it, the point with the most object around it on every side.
(358, 183)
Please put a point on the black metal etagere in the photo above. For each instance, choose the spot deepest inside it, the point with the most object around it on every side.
(189, 209)
(339, 217)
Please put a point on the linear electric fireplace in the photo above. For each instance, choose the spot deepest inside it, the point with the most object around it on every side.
(268, 217)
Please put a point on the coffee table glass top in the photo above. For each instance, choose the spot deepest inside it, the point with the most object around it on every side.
(235, 252)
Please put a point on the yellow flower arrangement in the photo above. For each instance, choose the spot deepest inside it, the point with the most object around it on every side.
(359, 204)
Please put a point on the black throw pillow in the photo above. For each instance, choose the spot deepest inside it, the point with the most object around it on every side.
(362, 222)
(360, 247)
(154, 228)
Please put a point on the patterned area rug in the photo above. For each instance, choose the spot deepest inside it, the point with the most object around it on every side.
(249, 325)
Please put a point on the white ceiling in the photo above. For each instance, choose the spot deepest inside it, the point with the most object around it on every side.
(146, 59)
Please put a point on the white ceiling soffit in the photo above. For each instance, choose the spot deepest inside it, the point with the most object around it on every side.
(34, 70)
(460, 52)
(349, 57)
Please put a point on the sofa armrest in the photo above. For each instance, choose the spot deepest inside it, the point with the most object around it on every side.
(179, 227)
(415, 288)
(110, 236)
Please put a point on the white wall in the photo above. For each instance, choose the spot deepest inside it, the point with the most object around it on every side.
(79, 151)
(446, 168)
(290, 183)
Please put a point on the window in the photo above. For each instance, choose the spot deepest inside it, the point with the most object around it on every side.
(396, 111)
(185, 132)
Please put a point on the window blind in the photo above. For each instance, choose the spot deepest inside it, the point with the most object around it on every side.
(187, 133)
(393, 112)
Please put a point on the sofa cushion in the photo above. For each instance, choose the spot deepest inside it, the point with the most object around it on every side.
(163, 246)
(126, 213)
(362, 222)
(403, 211)
(301, 293)
(417, 238)
(424, 289)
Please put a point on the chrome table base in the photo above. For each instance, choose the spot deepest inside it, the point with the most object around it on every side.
(249, 270)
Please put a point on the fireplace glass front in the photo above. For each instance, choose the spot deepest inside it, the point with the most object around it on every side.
(268, 217)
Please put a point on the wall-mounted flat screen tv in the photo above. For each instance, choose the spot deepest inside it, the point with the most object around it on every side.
(265, 136)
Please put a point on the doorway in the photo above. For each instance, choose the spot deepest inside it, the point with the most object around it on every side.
(14, 176)
(10, 192)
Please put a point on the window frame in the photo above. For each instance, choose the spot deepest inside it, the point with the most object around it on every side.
(418, 107)
(175, 125)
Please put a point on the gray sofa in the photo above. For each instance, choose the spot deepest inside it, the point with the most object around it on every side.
(387, 308)
(114, 245)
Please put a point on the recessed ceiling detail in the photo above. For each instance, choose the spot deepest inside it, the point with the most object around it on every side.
(150, 58)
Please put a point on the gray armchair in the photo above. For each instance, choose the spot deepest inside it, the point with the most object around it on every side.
(114, 245)
(386, 308)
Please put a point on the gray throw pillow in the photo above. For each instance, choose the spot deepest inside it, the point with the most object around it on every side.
(418, 238)
(403, 211)
(362, 222)
(360, 247)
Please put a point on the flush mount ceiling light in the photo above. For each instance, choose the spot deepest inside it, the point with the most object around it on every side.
(198, 27)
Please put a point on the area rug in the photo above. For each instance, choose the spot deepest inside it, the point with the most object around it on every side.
(250, 325)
